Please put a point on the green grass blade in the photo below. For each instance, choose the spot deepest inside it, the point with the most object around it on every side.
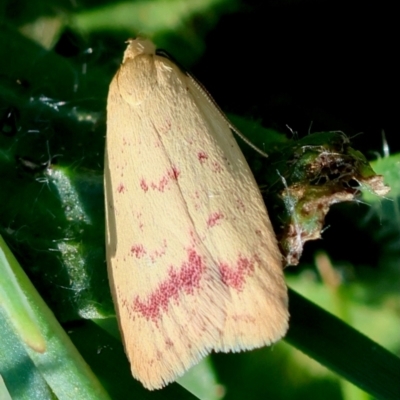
(61, 364)
(342, 349)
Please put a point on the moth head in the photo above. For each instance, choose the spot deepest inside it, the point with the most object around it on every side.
(137, 47)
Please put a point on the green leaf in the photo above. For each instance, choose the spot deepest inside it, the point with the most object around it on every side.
(61, 366)
(336, 345)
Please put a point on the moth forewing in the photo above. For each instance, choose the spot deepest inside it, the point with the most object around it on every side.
(192, 258)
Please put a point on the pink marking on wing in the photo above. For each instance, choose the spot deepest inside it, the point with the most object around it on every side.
(138, 250)
(184, 280)
(159, 253)
(216, 167)
(144, 185)
(174, 173)
(235, 276)
(139, 217)
(121, 188)
(240, 205)
(161, 184)
(195, 200)
(171, 174)
(202, 157)
(214, 218)
(194, 238)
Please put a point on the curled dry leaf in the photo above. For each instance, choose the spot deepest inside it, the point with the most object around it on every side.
(306, 177)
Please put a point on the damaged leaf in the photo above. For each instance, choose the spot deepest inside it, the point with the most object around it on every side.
(306, 177)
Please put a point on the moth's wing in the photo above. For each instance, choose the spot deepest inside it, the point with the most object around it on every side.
(192, 258)
(169, 300)
(242, 240)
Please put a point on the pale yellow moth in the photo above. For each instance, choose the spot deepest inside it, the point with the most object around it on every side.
(192, 258)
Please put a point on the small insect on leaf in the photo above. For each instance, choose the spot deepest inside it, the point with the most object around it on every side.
(192, 258)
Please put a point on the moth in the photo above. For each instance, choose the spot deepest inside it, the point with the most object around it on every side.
(192, 258)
